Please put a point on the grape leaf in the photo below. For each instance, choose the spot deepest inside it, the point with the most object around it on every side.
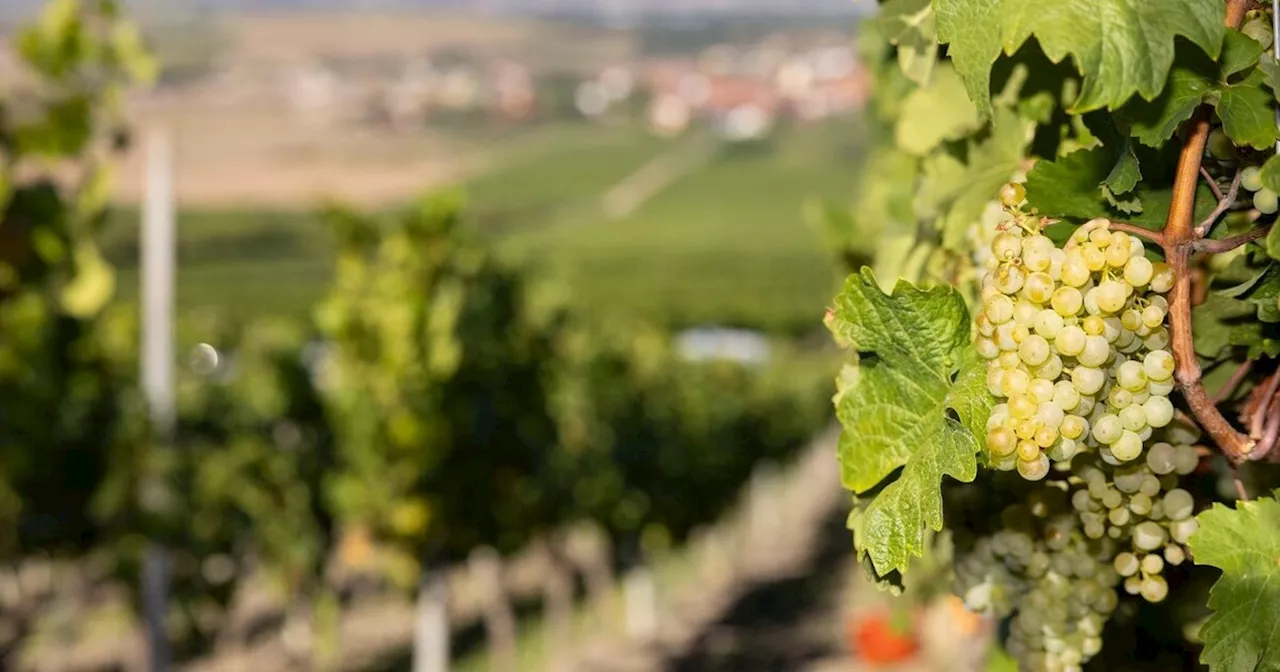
(911, 27)
(934, 113)
(1245, 544)
(1273, 242)
(1270, 173)
(1125, 174)
(957, 191)
(1243, 105)
(1121, 47)
(1223, 322)
(917, 403)
(1069, 187)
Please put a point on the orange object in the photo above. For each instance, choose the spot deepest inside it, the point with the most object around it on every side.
(885, 637)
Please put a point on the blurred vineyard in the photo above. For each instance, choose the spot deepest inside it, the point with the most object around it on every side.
(431, 407)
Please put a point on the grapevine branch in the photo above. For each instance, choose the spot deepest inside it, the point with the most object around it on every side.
(1233, 382)
(1224, 204)
(1228, 244)
(1156, 237)
(1213, 184)
(1179, 240)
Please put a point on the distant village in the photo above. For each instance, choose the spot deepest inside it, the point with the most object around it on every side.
(741, 92)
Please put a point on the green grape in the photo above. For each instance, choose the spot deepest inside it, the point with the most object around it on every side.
(1221, 148)
(1097, 351)
(1158, 411)
(1012, 194)
(1161, 457)
(1028, 451)
(1070, 341)
(1185, 459)
(1140, 504)
(1038, 287)
(1131, 376)
(1126, 564)
(1153, 316)
(1178, 504)
(1034, 350)
(1174, 555)
(986, 348)
(1067, 301)
(1001, 441)
(1251, 178)
(1017, 382)
(1088, 380)
(998, 309)
(1049, 323)
(1158, 365)
(1148, 536)
(1128, 447)
(1266, 201)
(1152, 564)
(1154, 589)
(1107, 429)
(1181, 530)
(1133, 418)
(1162, 280)
(1041, 390)
(1111, 294)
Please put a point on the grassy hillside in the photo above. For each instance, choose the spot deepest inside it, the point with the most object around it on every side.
(724, 244)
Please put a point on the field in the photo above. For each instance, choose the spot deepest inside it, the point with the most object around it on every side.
(724, 243)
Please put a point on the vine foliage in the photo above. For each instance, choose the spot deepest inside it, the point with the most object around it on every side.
(1072, 205)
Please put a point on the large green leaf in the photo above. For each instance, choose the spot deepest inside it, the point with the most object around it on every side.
(1070, 187)
(1243, 104)
(935, 113)
(916, 403)
(910, 25)
(1244, 543)
(956, 191)
(1121, 47)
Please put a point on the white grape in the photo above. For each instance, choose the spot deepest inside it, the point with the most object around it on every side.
(1048, 323)
(1070, 341)
(1131, 376)
(1096, 351)
(1158, 365)
(1088, 380)
(1107, 429)
(1154, 589)
(1128, 447)
(1134, 418)
(1111, 295)
(1159, 411)
(1178, 504)
(1041, 390)
(1034, 470)
(1162, 280)
(1161, 457)
(1138, 271)
(1065, 395)
(1148, 535)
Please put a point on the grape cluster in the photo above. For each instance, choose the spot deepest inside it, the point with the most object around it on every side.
(1058, 583)
(1265, 200)
(1141, 506)
(1076, 343)
(1078, 356)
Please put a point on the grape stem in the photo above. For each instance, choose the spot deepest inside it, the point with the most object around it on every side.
(1213, 184)
(1179, 239)
(1224, 203)
(1156, 237)
(1260, 417)
(1233, 382)
(1228, 244)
